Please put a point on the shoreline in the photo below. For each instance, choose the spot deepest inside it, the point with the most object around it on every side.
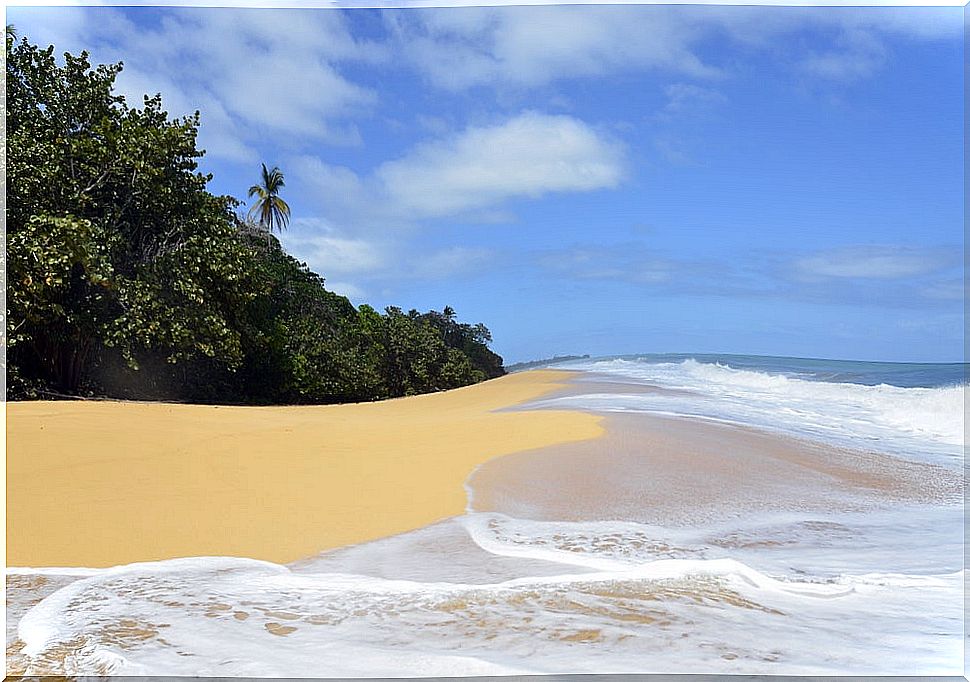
(106, 483)
(638, 541)
(683, 472)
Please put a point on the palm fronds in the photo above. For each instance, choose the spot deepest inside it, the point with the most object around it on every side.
(270, 211)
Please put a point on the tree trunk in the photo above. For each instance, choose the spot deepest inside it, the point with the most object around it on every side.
(64, 361)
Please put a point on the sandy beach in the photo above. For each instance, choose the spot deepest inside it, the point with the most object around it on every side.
(542, 522)
(105, 483)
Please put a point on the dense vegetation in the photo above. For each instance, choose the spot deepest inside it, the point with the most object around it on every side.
(127, 278)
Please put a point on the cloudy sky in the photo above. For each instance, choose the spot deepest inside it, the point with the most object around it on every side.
(591, 179)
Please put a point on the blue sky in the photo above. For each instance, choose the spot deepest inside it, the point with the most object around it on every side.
(591, 179)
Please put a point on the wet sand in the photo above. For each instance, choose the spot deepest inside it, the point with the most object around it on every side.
(684, 472)
(105, 483)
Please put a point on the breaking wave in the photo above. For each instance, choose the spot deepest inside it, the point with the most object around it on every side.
(924, 422)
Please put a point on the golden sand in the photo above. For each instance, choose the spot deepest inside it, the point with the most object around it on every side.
(106, 483)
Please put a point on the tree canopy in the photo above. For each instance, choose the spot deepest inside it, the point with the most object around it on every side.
(128, 278)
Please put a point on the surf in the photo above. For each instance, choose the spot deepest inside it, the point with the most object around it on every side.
(925, 422)
(605, 611)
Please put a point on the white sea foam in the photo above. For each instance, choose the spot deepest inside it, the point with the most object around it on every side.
(923, 423)
(628, 598)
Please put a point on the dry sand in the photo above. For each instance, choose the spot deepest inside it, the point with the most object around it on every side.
(105, 483)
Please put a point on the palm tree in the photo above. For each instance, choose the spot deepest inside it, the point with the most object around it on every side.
(272, 212)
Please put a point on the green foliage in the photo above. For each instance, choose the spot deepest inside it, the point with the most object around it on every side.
(304, 344)
(58, 298)
(311, 345)
(127, 278)
(114, 239)
(418, 357)
(471, 340)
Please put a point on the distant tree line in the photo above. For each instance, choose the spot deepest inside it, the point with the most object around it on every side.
(532, 364)
(126, 278)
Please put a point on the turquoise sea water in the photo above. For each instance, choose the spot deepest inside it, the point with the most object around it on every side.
(901, 374)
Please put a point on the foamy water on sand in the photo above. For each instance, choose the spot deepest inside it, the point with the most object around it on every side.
(658, 549)
(922, 421)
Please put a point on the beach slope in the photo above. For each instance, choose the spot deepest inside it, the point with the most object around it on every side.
(92, 483)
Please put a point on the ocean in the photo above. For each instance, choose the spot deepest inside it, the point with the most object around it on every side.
(831, 573)
(915, 409)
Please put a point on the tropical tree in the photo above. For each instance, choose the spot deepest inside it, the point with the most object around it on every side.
(127, 278)
(271, 212)
(116, 250)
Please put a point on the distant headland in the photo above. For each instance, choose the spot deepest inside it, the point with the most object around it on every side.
(533, 364)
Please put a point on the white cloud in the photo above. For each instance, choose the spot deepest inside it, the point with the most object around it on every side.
(248, 71)
(687, 98)
(883, 275)
(480, 168)
(337, 188)
(328, 251)
(457, 260)
(527, 46)
(280, 75)
(631, 263)
(850, 43)
(917, 23)
(338, 254)
(460, 48)
(351, 291)
(528, 156)
(872, 262)
(857, 55)
(358, 263)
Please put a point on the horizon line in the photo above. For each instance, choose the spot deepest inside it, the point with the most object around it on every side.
(427, 4)
(592, 356)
